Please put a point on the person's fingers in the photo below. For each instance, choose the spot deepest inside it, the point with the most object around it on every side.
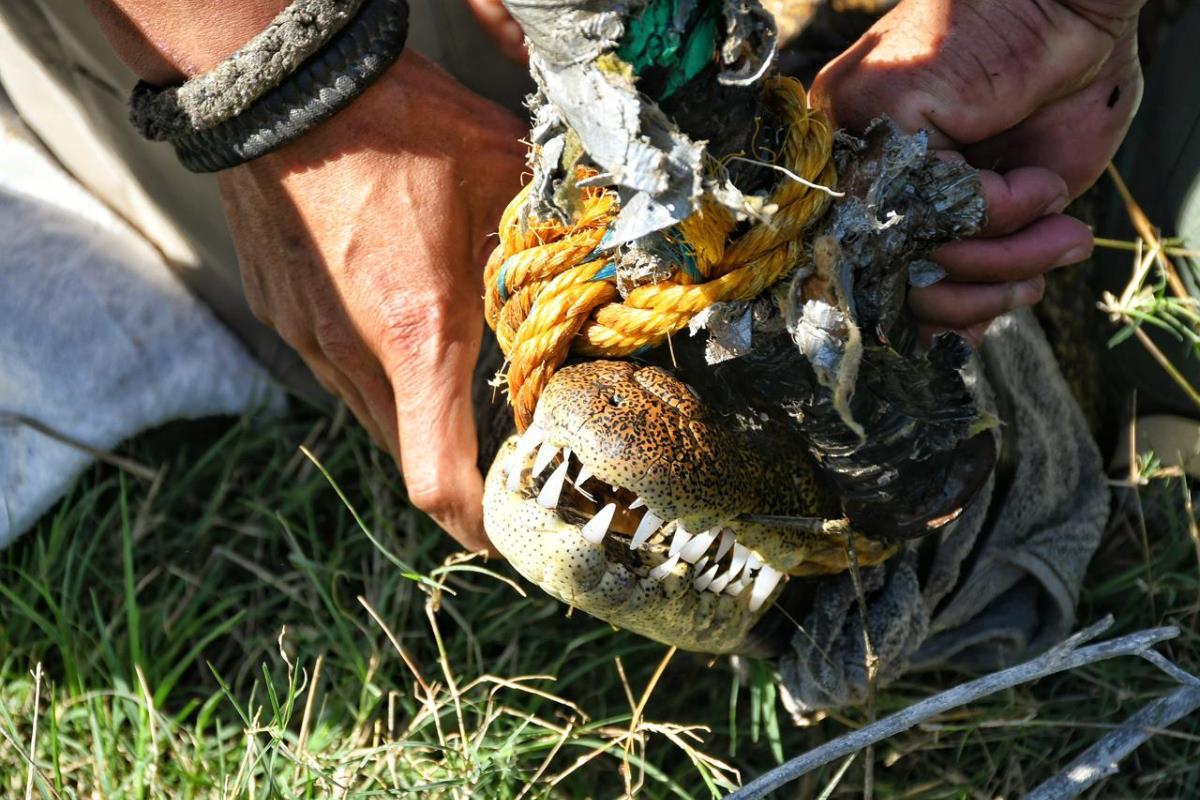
(374, 406)
(1049, 242)
(502, 28)
(1015, 199)
(952, 306)
(972, 333)
(853, 91)
(338, 384)
(360, 380)
(342, 365)
(429, 358)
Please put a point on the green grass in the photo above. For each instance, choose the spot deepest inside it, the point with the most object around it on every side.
(230, 630)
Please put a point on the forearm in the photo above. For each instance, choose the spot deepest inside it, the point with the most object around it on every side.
(166, 41)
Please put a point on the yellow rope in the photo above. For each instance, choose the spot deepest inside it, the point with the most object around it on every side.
(548, 294)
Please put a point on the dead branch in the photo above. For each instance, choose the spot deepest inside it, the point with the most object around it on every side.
(1061, 658)
(1100, 760)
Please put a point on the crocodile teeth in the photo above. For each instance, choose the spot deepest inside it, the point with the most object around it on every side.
(768, 578)
(680, 539)
(514, 474)
(596, 529)
(705, 580)
(584, 474)
(718, 585)
(548, 496)
(545, 455)
(740, 555)
(530, 439)
(696, 547)
(645, 530)
(664, 569)
(753, 563)
(636, 504)
(725, 545)
(736, 588)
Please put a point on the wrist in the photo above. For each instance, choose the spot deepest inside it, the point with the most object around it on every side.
(168, 41)
(414, 110)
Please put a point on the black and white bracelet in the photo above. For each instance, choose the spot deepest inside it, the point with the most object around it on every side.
(312, 61)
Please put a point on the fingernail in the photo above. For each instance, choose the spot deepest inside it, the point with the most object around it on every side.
(974, 334)
(512, 34)
(1056, 205)
(1075, 255)
(1026, 293)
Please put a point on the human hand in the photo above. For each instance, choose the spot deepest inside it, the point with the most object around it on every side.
(362, 243)
(1036, 94)
(502, 28)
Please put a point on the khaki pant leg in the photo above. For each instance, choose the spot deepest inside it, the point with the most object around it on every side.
(71, 89)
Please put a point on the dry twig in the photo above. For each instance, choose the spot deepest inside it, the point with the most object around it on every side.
(1100, 760)
(1066, 656)
(103, 456)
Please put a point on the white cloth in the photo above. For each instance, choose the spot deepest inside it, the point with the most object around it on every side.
(98, 340)
(1004, 579)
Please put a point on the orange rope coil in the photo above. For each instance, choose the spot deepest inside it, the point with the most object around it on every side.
(547, 292)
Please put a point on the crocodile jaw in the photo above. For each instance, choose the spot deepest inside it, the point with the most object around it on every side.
(643, 590)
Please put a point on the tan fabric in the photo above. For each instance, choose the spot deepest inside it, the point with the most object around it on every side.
(70, 88)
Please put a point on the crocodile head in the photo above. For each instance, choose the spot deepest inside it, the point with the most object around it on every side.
(679, 501)
(626, 499)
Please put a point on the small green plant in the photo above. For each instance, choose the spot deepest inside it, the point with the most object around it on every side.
(1163, 291)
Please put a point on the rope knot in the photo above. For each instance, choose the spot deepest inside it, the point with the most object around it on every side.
(552, 289)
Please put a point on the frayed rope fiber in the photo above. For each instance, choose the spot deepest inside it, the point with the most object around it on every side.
(551, 289)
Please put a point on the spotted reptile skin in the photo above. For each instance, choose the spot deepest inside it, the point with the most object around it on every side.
(642, 430)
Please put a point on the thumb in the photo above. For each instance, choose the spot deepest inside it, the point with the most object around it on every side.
(869, 78)
(501, 27)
